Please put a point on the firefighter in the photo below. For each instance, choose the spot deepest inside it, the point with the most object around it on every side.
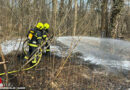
(35, 39)
(46, 27)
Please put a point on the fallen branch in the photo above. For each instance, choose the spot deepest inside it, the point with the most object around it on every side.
(3, 62)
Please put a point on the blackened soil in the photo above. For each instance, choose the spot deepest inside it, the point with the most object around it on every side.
(75, 75)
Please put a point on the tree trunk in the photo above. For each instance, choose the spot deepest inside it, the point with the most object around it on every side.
(81, 7)
(104, 19)
(127, 21)
(116, 9)
(61, 9)
(75, 18)
(54, 14)
(43, 10)
(69, 18)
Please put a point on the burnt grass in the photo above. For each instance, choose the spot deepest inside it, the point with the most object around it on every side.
(75, 75)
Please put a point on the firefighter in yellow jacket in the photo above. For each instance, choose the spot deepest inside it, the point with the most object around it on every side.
(46, 35)
(35, 37)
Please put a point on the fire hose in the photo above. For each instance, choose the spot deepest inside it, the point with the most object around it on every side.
(38, 52)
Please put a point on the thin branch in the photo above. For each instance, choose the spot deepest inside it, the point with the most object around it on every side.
(3, 62)
(5, 67)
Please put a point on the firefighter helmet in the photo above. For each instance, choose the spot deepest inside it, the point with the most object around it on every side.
(46, 26)
(40, 25)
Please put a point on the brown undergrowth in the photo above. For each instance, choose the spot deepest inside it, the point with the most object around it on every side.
(74, 76)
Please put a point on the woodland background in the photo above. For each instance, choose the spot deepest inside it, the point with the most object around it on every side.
(105, 18)
(96, 18)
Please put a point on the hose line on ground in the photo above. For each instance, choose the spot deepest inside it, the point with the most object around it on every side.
(25, 69)
(36, 51)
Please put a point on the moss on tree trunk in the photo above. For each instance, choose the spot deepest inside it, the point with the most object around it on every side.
(116, 9)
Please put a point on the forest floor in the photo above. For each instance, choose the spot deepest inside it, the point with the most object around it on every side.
(75, 75)
(127, 37)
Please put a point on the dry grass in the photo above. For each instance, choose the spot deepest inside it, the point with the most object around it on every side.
(73, 77)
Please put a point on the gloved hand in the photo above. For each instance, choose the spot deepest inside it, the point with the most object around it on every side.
(25, 59)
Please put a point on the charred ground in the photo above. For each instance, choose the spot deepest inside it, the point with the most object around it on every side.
(76, 74)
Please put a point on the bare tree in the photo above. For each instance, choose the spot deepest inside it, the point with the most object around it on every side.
(75, 18)
(54, 15)
(116, 9)
(69, 17)
(104, 19)
(61, 9)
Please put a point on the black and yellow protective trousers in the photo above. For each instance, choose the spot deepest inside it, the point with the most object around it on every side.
(45, 38)
(35, 36)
